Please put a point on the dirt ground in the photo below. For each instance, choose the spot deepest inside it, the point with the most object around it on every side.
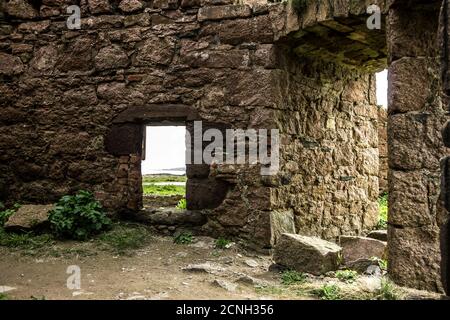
(159, 270)
(153, 272)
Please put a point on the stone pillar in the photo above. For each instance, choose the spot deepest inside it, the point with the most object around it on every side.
(382, 149)
(444, 208)
(415, 117)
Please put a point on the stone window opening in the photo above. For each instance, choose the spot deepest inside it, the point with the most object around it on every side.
(163, 166)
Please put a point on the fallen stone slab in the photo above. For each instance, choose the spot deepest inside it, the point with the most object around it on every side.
(378, 234)
(29, 216)
(355, 248)
(203, 267)
(360, 265)
(307, 254)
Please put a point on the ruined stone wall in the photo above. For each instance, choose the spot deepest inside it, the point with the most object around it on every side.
(74, 102)
(383, 151)
(62, 90)
(416, 117)
(329, 166)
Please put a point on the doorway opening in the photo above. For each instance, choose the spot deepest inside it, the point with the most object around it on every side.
(163, 167)
(382, 104)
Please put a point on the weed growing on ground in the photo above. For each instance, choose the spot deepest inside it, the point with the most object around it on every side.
(328, 292)
(183, 238)
(292, 277)
(222, 243)
(388, 291)
(6, 213)
(182, 204)
(346, 275)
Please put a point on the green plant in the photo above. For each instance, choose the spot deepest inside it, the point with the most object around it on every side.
(383, 264)
(182, 204)
(123, 237)
(183, 238)
(329, 292)
(388, 291)
(78, 216)
(383, 205)
(3, 296)
(346, 275)
(292, 277)
(222, 243)
(6, 213)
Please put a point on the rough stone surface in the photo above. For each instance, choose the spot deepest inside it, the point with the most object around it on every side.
(306, 254)
(305, 73)
(383, 151)
(28, 217)
(355, 248)
(378, 234)
(415, 120)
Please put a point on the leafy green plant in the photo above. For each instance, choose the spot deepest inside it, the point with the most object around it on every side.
(6, 213)
(383, 205)
(123, 237)
(222, 243)
(346, 275)
(184, 238)
(78, 216)
(329, 292)
(292, 277)
(182, 204)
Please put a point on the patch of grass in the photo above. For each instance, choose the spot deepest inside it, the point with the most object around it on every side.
(182, 204)
(28, 241)
(163, 178)
(328, 292)
(184, 238)
(388, 291)
(165, 190)
(222, 243)
(272, 290)
(4, 296)
(383, 205)
(124, 237)
(346, 275)
(292, 277)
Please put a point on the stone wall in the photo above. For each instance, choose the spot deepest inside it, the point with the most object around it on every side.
(383, 151)
(415, 147)
(329, 155)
